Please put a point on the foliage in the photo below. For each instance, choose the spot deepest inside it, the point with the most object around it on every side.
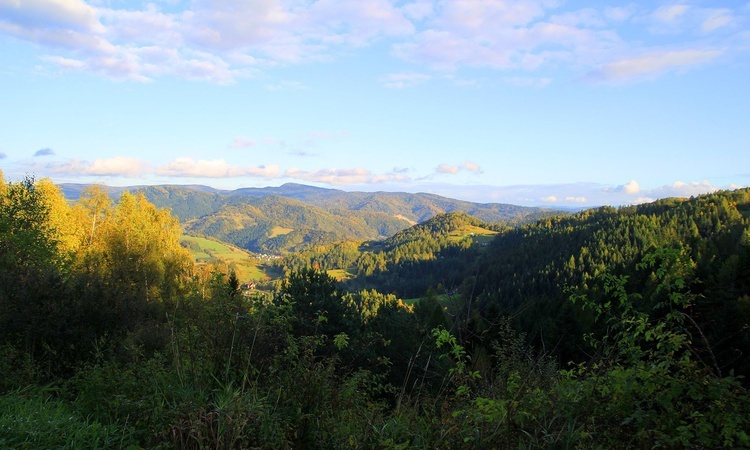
(33, 419)
(646, 385)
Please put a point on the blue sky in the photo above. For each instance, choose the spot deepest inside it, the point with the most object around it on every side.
(528, 102)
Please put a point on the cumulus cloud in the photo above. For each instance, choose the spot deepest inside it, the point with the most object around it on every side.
(641, 200)
(682, 189)
(447, 168)
(549, 199)
(55, 14)
(217, 168)
(652, 64)
(119, 166)
(228, 40)
(632, 187)
(419, 10)
(291, 32)
(44, 152)
(468, 166)
(335, 176)
(507, 35)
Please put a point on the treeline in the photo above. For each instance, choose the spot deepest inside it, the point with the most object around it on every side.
(111, 338)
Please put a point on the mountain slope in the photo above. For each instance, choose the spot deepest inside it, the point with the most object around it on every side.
(293, 216)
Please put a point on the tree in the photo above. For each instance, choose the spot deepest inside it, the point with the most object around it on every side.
(317, 303)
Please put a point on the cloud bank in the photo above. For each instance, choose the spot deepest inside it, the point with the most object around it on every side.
(229, 40)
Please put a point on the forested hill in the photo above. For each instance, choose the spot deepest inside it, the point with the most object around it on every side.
(415, 207)
(531, 272)
(293, 217)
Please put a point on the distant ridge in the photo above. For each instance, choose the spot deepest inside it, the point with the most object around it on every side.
(294, 216)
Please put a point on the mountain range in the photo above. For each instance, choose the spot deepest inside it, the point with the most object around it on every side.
(293, 217)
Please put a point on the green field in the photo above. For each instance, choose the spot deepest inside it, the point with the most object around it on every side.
(446, 300)
(340, 274)
(280, 231)
(478, 235)
(244, 263)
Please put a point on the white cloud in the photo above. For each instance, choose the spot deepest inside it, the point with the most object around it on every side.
(119, 166)
(335, 176)
(419, 10)
(58, 14)
(619, 13)
(680, 18)
(528, 81)
(632, 187)
(576, 199)
(508, 35)
(472, 167)
(66, 63)
(447, 168)
(217, 168)
(222, 41)
(291, 32)
(403, 80)
(452, 170)
(549, 199)
(682, 189)
(715, 19)
(652, 64)
(641, 200)
(670, 13)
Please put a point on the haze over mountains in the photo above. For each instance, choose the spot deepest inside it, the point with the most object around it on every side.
(292, 217)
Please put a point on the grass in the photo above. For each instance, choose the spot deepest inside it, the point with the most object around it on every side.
(445, 300)
(341, 274)
(244, 263)
(478, 235)
(32, 418)
(279, 231)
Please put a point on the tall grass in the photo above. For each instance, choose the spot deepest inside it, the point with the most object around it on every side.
(32, 418)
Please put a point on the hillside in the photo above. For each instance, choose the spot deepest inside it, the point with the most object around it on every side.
(415, 207)
(293, 217)
(436, 254)
(531, 272)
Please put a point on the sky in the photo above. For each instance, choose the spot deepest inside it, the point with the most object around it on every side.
(531, 102)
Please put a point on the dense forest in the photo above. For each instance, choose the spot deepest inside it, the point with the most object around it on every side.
(610, 328)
